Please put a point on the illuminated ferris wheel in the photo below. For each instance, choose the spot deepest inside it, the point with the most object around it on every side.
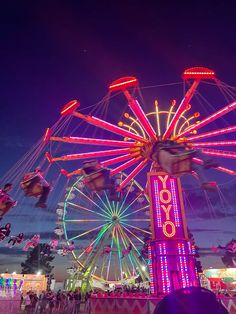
(109, 235)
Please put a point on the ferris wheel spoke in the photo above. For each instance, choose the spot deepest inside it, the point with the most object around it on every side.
(119, 251)
(109, 209)
(109, 127)
(87, 209)
(125, 210)
(136, 219)
(217, 143)
(92, 243)
(219, 153)
(134, 212)
(125, 243)
(87, 232)
(127, 194)
(93, 141)
(209, 119)
(137, 228)
(129, 239)
(110, 255)
(211, 133)
(84, 220)
(94, 203)
(140, 166)
(95, 154)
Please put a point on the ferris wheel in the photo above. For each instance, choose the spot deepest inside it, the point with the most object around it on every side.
(109, 236)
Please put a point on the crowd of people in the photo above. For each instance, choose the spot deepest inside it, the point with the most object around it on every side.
(125, 292)
(54, 302)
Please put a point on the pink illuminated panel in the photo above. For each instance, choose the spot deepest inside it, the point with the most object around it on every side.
(166, 207)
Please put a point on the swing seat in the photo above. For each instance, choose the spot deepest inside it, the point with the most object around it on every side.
(6, 203)
(36, 190)
(176, 164)
(98, 180)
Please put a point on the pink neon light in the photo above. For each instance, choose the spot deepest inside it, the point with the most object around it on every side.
(133, 174)
(49, 157)
(125, 165)
(181, 108)
(198, 72)
(94, 141)
(220, 153)
(222, 169)
(211, 133)
(123, 82)
(110, 127)
(116, 160)
(70, 107)
(47, 135)
(217, 143)
(137, 110)
(209, 119)
(93, 154)
(64, 172)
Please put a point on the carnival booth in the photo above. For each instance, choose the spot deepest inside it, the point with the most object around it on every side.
(222, 279)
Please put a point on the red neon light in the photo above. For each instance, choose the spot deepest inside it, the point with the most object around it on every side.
(47, 135)
(116, 160)
(209, 119)
(133, 174)
(139, 113)
(49, 157)
(125, 165)
(188, 96)
(198, 73)
(93, 154)
(219, 153)
(110, 127)
(94, 141)
(70, 107)
(212, 133)
(64, 172)
(222, 169)
(123, 83)
(218, 143)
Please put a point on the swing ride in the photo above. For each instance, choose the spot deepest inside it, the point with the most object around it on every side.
(104, 211)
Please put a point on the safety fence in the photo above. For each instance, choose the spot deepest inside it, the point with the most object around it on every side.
(120, 305)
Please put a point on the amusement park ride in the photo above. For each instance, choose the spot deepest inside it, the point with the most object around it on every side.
(112, 208)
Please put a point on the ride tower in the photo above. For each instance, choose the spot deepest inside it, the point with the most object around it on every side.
(172, 257)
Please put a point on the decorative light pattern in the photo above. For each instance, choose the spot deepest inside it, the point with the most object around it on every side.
(166, 207)
(164, 268)
(183, 265)
(157, 206)
(151, 277)
(175, 206)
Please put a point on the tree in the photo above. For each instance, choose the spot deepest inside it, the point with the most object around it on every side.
(36, 261)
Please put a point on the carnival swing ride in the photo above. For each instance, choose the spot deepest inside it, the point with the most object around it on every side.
(104, 215)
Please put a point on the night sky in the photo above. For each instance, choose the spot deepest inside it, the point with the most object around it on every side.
(54, 52)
